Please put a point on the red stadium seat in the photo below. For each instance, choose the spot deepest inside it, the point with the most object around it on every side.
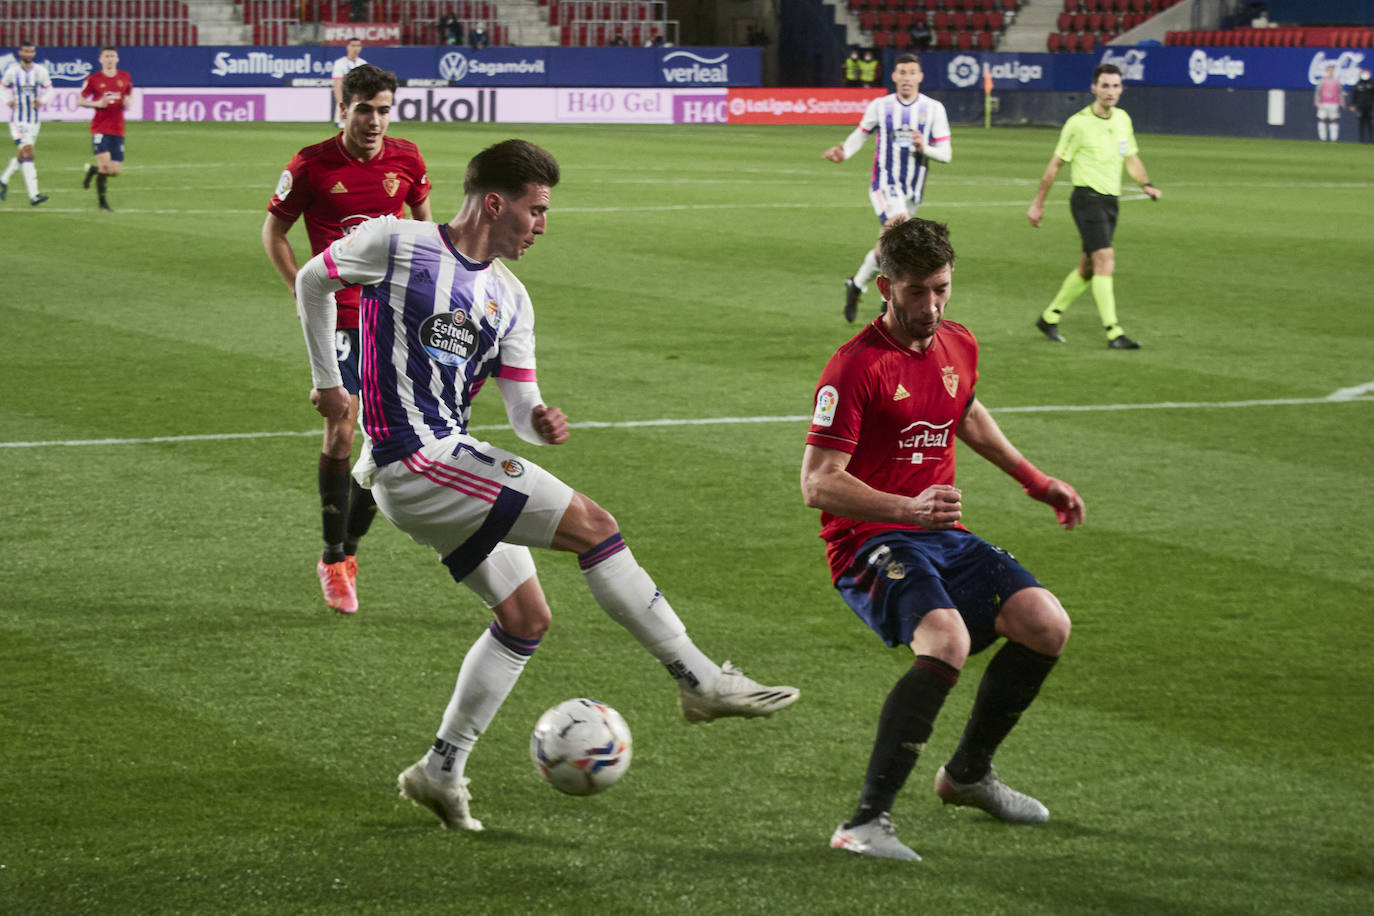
(887, 20)
(1071, 42)
(1053, 42)
(964, 41)
(986, 41)
(958, 20)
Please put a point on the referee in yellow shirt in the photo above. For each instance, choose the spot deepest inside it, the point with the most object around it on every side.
(1096, 141)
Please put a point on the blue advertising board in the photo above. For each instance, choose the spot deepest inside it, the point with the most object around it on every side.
(713, 68)
(1208, 68)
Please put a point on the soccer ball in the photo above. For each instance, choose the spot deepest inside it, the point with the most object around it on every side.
(581, 746)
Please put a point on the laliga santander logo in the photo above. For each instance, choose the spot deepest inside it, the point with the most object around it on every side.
(453, 66)
(738, 106)
(963, 71)
(1200, 66)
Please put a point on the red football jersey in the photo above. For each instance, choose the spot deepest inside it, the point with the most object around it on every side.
(336, 192)
(117, 88)
(895, 411)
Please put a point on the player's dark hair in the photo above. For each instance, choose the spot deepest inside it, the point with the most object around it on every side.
(26, 44)
(914, 248)
(104, 48)
(364, 82)
(509, 167)
(1104, 68)
(353, 39)
(906, 59)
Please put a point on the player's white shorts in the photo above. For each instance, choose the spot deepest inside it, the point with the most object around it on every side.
(24, 134)
(464, 497)
(889, 202)
(1329, 112)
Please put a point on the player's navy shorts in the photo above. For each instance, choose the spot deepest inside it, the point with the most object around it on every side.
(1095, 215)
(108, 143)
(346, 349)
(899, 576)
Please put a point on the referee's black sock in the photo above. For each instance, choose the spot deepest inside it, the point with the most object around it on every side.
(903, 729)
(1009, 684)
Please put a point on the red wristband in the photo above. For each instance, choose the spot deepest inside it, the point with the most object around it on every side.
(1032, 480)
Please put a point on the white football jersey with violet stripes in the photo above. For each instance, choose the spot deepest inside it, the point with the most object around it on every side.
(896, 164)
(433, 327)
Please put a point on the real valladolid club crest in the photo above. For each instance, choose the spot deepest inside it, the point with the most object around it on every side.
(951, 380)
(391, 184)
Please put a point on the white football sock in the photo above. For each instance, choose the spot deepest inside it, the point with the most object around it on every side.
(30, 178)
(627, 593)
(10, 170)
(1321, 129)
(1334, 128)
(867, 271)
(489, 672)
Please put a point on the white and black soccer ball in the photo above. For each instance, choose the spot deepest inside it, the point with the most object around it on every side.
(581, 746)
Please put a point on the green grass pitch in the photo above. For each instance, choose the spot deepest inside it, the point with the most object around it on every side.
(184, 728)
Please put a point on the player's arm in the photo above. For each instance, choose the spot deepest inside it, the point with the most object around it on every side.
(315, 287)
(85, 101)
(939, 146)
(1037, 207)
(827, 485)
(852, 144)
(421, 211)
(1136, 169)
(278, 248)
(531, 419)
(980, 432)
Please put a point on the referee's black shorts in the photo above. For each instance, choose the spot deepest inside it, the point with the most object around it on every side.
(1095, 215)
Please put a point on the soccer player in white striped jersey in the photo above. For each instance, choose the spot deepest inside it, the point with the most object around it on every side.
(912, 129)
(26, 87)
(440, 315)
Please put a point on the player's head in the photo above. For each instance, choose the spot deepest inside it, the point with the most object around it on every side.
(508, 185)
(907, 75)
(1106, 85)
(917, 263)
(109, 57)
(27, 52)
(368, 93)
(355, 47)
(365, 82)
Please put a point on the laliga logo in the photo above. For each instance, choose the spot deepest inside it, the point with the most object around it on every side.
(453, 66)
(963, 71)
(1200, 66)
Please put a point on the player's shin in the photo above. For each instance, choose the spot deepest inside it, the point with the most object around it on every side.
(626, 592)
(489, 672)
(1010, 682)
(904, 726)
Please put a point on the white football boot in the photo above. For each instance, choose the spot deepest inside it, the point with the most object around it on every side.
(877, 838)
(993, 796)
(734, 694)
(450, 803)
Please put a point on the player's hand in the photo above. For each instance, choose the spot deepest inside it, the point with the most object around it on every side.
(938, 506)
(918, 141)
(1035, 214)
(834, 154)
(550, 424)
(1068, 505)
(332, 403)
(1153, 192)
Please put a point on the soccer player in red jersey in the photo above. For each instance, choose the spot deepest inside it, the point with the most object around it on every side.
(337, 184)
(108, 92)
(879, 464)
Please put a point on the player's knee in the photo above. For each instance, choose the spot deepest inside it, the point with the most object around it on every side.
(1035, 619)
(524, 619)
(584, 525)
(942, 634)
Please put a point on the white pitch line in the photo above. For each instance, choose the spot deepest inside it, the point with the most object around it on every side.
(1343, 395)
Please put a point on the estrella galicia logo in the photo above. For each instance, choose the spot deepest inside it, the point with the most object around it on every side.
(963, 71)
(449, 337)
(453, 66)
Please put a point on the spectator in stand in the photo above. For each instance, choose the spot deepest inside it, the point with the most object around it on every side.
(478, 35)
(656, 39)
(851, 69)
(1362, 103)
(868, 69)
(450, 30)
(920, 35)
(1329, 99)
(358, 11)
(619, 40)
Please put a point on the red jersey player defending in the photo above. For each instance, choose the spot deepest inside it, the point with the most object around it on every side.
(108, 92)
(879, 464)
(337, 184)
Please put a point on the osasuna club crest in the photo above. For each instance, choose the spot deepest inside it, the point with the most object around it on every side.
(951, 380)
(391, 184)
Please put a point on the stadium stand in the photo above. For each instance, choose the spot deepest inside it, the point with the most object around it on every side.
(582, 24)
(1085, 24)
(1279, 37)
(953, 24)
(95, 22)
